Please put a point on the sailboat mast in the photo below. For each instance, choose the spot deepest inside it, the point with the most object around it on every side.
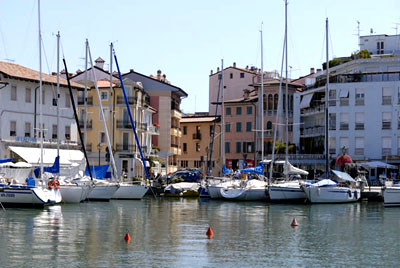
(111, 99)
(41, 129)
(286, 89)
(85, 95)
(58, 94)
(261, 98)
(326, 104)
(223, 115)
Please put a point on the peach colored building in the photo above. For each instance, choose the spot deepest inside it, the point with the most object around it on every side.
(196, 141)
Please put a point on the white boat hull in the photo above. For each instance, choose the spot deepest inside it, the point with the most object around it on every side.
(102, 192)
(28, 196)
(73, 193)
(130, 191)
(391, 196)
(244, 194)
(214, 190)
(286, 193)
(332, 194)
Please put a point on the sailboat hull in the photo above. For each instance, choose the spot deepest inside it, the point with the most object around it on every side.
(332, 194)
(391, 196)
(130, 191)
(72, 193)
(243, 194)
(26, 196)
(102, 192)
(287, 192)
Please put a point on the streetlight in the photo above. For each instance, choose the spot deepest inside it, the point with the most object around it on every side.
(99, 149)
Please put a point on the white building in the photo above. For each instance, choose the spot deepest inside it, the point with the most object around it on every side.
(364, 111)
(381, 44)
(19, 114)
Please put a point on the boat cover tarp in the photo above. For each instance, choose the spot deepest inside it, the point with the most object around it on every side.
(377, 164)
(290, 169)
(5, 160)
(256, 170)
(324, 182)
(226, 171)
(182, 186)
(98, 172)
(55, 168)
(342, 176)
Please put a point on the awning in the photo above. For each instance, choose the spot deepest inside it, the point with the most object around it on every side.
(32, 155)
(306, 100)
(377, 164)
(344, 93)
(342, 176)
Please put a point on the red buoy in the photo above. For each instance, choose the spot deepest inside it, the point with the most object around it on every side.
(294, 223)
(210, 232)
(127, 237)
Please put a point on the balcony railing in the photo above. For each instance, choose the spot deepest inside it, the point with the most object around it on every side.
(88, 123)
(359, 126)
(344, 102)
(360, 102)
(387, 100)
(332, 151)
(197, 136)
(124, 124)
(386, 151)
(312, 131)
(344, 126)
(126, 147)
(131, 100)
(313, 110)
(81, 100)
(386, 125)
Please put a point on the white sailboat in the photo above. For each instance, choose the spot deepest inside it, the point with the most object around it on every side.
(328, 191)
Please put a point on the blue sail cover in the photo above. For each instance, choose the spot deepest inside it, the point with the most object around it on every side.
(256, 170)
(98, 172)
(5, 160)
(55, 168)
(226, 171)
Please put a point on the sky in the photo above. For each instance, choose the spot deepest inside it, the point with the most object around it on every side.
(188, 39)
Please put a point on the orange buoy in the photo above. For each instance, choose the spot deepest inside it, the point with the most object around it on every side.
(209, 232)
(127, 237)
(294, 223)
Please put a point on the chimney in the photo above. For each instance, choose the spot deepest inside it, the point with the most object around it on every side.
(211, 72)
(318, 70)
(99, 62)
(217, 69)
(131, 70)
(234, 64)
(247, 67)
(246, 93)
(159, 75)
(312, 70)
(164, 77)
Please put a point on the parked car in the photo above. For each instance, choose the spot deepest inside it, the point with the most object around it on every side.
(186, 175)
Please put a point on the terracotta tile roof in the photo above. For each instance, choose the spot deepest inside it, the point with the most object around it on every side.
(104, 83)
(12, 70)
(196, 119)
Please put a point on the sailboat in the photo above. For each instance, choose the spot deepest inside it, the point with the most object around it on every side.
(288, 190)
(336, 186)
(129, 190)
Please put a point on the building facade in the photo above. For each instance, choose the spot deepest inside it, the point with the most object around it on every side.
(197, 141)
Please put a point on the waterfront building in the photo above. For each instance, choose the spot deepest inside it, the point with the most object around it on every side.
(19, 116)
(364, 113)
(196, 142)
(166, 99)
(123, 143)
(236, 79)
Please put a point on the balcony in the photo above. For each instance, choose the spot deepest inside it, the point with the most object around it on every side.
(386, 125)
(124, 124)
(197, 136)
(88, 124)
(387, 100)
(141, 126)
(312, 131)
(126, 147)
(344, 101)
(359, 126)
(121, 100)
(313, 110)
(153, 130)
(174, 148)
(386, 151)
(360, 102)
(332, 151)
(81, 100)
(344, 126)
(176, 113)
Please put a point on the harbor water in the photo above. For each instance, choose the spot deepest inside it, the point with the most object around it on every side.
(172, 233)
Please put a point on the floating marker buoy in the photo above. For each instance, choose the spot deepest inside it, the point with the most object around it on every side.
(209, 232)
(127, 237)
(294, 223)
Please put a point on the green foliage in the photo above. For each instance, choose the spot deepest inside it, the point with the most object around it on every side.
(363, 54)
(336, 61)
(177, 179)
(280, 148)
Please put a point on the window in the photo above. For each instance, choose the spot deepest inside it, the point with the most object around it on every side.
(54, 132)
(386, 120)
(332, 97)
(104, 95)
(238, 126)
(359, 121)
(125, 140)
(185, 147)
(13, 93)
(231, 75)
(276, 97)
(344, 142)
(67, 132)
(227, 147)
(250, 109)
(43, 96)
(380, 47)
(360, 96)
(184, 164)
(248, 147)
(228, 111)
(67, 100)
(211, 130)
(386, 146)
(27, 129)
(344, 121)
(238, 147)
(332, 145)
(248, 126)
(387, 96)
(241, 75)
(102, 138)
(185, 130)
(105, 112)
(269, 125)
(359, 150)
(197, 147)
(197, 164)
(228, 127)
(28, 95)
(270, 103)
(13, 128)
(344, 97)
(332, 121)
(238, 110)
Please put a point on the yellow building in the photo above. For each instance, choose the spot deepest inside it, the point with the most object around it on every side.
(196, 141)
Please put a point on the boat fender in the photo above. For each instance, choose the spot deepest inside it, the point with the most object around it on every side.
(50, 184)
(56, 184)
(318, 191)
(355, 195)
(243, 183)
(349, 192)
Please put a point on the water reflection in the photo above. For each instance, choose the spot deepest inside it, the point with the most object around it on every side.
(171, 233)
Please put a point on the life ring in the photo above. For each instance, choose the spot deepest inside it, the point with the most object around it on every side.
(56, 184)
(50, 184)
